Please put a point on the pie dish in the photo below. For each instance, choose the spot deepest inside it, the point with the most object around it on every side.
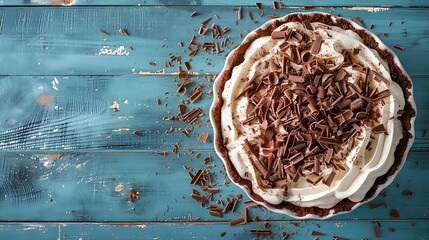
(313, 115)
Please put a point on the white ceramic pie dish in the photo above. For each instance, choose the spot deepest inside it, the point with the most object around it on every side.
(217, 133)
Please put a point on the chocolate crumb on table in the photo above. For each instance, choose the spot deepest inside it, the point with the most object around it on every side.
(133, 195)
(316, 233)
(394, 213)
(122, 31)
(398, 47)
(137, 133)
(104, 31)
(407, 193)
(374, 229)
(277, 5)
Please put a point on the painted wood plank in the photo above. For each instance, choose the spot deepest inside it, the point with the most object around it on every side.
(67, 41)
(30, 231)
(266, 3)
(345, 229)
(81, 187)
(407, 229)
(77, 113)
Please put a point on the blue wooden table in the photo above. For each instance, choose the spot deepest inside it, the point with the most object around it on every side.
(82, 109)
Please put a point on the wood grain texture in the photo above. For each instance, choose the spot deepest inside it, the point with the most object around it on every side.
(81, 187)
(409, 229)
(79, 118)
(266, 3)
(67, 41)
(64, 150)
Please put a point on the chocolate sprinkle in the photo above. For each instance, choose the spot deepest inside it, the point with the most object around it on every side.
(316, 233)
(188, 65)
(316, 45)
(394, 213)
(278, 35)
(377, 204)
(398, 47)
(330, 178)
(379, 129)
(260, 231)
(374, 229)
(206, 21)
(407, 193)
(104, 32)
(277, 5)
(123, 31)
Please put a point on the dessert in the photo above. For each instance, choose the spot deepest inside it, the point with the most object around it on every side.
(312, 115)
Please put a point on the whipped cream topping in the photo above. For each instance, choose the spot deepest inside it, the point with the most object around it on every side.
(370, 156)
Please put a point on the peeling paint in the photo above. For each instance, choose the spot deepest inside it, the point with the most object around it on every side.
(45, 99)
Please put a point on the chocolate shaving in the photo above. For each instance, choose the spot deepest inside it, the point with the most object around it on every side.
(374, 229)
(182, 108)
(188, 65)
(307, 25)
(206, 21)
(398, 47)
(296, 79)
(277, 5)
(252, 149)
(197, 177)
(195, 96)
(237, 221)
(377, 204)
(193, 52)
(330, 179)
(394, 213)
(379, 129)
(259, 5)
(249, 14)
(316, 233)
(122, 31)
(278, 34)
(330, 141)
(104, 32)
(407, 193)
(215, 213)
(315, 48)
(250, 203)
(379, 77)
(260, 232)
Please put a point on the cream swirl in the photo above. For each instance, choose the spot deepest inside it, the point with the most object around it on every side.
(369, 157)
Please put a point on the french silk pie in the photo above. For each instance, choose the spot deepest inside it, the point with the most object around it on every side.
(313, 115)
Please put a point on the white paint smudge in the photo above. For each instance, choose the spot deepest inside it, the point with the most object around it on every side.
(55, 83)
(369, 9)
(107, 50)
